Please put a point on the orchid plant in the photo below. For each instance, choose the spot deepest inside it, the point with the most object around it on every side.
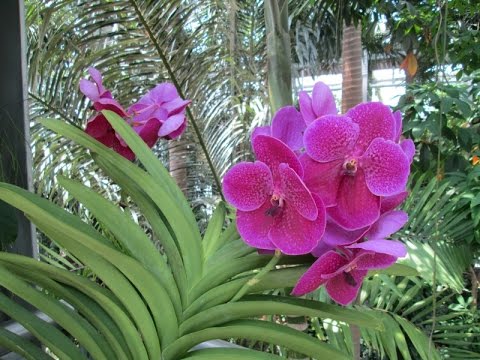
(321, 196)
(326, 184)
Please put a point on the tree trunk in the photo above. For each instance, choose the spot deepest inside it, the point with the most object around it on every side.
(352, 83)
(279, 61)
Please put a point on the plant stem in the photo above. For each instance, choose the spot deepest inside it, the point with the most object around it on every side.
(256, 279)
(180, 92)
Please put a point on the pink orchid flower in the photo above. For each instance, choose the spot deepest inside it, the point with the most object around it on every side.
(321, 103)
(342, 273)
(275, 210)
(287, 126)
(99, 128)
(164, 105)
(352, 161)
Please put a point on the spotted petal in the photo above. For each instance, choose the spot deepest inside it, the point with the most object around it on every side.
(386, 167)
(368, 260)
(330, 138)
(322, 179)
(356, 206)
(344, 287)
(297, 194)
(312, 278)
(375, 120)
(248, 185)
(295, 235)
(408, 147)
(274, 152)
(254, 226)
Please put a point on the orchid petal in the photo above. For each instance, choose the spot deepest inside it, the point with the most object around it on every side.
(274, 152)
(305, 103)
(288, 126)
(385, 247)
(163, 93)
(176, 133)
(368, 260)
(98, 126)
(149, 132)
(335, 235)
(248, 185)
(312, 278)
(295, 235)
(297, 194)
(176, 106)
(261, 130)
(321, 249)
(89, 89)
(375, 121)
(386, 167)
(322, 179)
(171, 124)
(330, 138)
(344, 287)
(397, 116)
(253, 226)
(356, 206)
(125, 151)
(388, 224)
(391, 202)
(323, 102)
(408, 147)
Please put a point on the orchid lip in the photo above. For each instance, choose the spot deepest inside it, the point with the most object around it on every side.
(277, 205)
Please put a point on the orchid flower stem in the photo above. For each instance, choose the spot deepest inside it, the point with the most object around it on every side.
(256, 279)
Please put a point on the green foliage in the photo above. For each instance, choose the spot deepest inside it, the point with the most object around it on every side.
(141, 303)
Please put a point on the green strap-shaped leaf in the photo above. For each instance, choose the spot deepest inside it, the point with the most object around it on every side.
(164, 325)
(130, 235)
(48, 334)
(159, 189)
(259, 331)
(230, 354)
(276, 279)
(258, 305)
(85, 306)
(65, 317)
(212, 240)
(97, 256)
(20, 346)
(153, 215)
(225, 270)
(422, 343)
(160, 175)
(102, 296)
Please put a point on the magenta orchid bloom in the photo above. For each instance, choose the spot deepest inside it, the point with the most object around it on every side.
(275, 210)
(164, 105)
(343, 273)
(287, 126)
(352, 161)
(321, 103)
(99, 128)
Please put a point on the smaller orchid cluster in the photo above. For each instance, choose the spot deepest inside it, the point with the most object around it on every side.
(327, 184)
(160, 113)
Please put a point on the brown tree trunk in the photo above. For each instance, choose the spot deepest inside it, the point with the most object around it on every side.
(352, 84)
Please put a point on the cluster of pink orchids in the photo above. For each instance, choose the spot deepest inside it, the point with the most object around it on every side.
(158, 114)
(326, 184)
